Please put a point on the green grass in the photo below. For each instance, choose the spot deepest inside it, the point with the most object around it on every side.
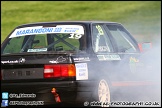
(139, 17)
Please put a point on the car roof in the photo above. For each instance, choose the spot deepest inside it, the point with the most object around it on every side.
(81, 22)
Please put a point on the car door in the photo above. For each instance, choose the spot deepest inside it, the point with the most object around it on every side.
(117, 52)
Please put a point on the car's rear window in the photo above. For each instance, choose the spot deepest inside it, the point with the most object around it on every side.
(39, 39)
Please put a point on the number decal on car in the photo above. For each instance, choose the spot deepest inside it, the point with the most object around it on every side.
(75, 36)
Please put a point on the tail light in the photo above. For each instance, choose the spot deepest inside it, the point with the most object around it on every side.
(59, 70)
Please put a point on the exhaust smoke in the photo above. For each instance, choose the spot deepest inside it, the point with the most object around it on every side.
(141, 88)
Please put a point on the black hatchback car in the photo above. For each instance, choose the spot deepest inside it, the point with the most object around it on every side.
(49, 63)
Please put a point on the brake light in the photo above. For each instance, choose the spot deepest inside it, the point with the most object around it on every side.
(59, 70)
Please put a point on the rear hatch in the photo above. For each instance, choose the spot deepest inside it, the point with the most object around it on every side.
(35, 66)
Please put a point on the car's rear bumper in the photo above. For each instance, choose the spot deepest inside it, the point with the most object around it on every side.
(69, 91)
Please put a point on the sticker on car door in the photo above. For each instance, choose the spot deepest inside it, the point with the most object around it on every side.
(109, 57)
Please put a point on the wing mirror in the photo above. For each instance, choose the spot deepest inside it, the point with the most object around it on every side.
(145, 46)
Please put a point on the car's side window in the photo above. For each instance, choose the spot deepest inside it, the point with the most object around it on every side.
(122, 39)
(100, 40)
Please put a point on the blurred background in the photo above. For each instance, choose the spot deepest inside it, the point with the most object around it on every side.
(141, 18)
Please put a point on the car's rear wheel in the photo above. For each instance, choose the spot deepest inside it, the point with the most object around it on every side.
(102, 93)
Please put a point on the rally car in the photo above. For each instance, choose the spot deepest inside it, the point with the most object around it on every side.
(70, 62)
